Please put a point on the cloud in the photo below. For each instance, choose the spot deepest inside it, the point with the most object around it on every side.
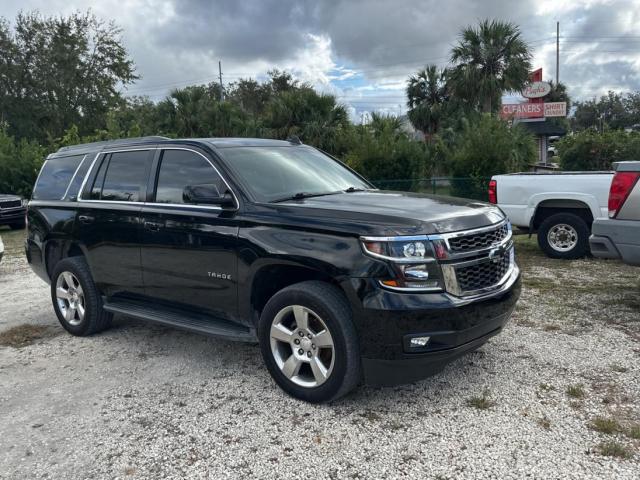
(360, 50)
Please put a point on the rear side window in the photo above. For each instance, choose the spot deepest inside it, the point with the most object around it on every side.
(55, 176)
(180, 168)
(122, 177)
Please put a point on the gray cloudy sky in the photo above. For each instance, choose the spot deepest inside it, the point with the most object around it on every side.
(360, 50)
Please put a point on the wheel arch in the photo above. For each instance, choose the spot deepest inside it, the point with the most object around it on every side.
(542, 207)
(59, 249)
(268, 279)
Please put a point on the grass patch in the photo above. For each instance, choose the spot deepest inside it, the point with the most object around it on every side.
(24, 335)
(482, 402)
(633, 431)
(619, 368)
(615, 449)
(551, 328)
(545, 387)
(576, 391)
(605, 425)
(544, 422)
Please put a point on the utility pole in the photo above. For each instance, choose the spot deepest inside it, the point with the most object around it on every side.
(221, 88)
(557, 53)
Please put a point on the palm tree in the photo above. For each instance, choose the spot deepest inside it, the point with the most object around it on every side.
(427, 95)
(488, 61)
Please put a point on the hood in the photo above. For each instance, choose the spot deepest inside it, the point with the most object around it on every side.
(401, 213)
(9, 198)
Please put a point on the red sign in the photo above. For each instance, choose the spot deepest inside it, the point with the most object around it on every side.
(522, 110)
(534, 110)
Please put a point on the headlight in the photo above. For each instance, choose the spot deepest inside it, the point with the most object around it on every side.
(412, 261)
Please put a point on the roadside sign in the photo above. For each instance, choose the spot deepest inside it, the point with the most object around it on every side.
(555, 109)
(536, 90)
(534, 110)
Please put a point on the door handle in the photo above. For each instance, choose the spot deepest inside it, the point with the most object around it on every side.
(86, 219)
(152, 226)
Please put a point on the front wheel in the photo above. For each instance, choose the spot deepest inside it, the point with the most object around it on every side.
(309, 343)
(564, 235)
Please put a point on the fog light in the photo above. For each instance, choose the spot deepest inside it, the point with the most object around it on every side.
(419, 342)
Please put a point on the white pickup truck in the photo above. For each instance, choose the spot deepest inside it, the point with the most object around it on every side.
(559, 207)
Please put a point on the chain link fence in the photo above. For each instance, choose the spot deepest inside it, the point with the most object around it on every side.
(464, 187)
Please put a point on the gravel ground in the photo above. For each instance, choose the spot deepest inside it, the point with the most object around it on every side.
(141, 401)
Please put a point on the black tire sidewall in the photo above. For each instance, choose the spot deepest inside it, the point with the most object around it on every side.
(78, 267)
(580, 226)
(334, 317)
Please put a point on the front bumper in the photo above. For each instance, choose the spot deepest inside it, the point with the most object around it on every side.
(387, 320)
(612, 238)
(12, 215)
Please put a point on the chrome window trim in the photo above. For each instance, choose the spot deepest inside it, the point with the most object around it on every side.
(73, 177)
(192, 205)
(155, 204)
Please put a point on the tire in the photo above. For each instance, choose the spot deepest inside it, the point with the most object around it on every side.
(327, 310)
(564, 235)
(70, 274)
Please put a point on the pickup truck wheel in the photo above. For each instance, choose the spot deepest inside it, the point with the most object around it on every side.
(309, 343)
(564, 235)
(76, 299)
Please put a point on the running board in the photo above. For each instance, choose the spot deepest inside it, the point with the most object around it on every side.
(193, 322)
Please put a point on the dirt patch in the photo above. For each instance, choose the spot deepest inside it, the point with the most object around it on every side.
(26, 334)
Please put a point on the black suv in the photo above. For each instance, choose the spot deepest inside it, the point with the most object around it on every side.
(275, 242)
(12, 211)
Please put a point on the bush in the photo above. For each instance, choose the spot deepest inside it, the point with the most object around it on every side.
(20, 163)
(591, 150)
(388, 158)
(485, 147)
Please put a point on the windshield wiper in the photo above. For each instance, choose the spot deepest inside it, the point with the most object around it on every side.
(354, 189)
(301, 195)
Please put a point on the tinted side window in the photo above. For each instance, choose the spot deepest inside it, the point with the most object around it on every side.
(179, 168)
(122, 177)
(55, 177)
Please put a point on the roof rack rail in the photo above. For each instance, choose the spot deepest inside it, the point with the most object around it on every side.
(295, 140)
(119, 141)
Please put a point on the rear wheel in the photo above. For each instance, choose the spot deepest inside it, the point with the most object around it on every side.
(564, 235)
(76, 299)
(309, 342)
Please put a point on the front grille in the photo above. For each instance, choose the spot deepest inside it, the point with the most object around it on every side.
(11, 204)
(483, 275)
(478, 241)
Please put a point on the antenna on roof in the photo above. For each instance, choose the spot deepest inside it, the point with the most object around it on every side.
(294, 139)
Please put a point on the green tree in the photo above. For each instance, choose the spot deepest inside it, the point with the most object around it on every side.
(20, 162)
(427, 94)
(611, 111)
(592, 150)
(488, 61)
(488, 146)
(59, 71)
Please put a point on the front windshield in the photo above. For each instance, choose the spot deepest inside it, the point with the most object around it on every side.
(274, 173)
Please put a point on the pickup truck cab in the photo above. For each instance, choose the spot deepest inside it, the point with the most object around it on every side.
(560, 207)
(618, 235)
(273, 242)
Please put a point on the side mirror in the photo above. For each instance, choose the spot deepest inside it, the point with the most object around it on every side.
(207, 194)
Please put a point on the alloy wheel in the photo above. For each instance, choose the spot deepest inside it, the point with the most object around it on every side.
(302, 346)
(70, 298)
